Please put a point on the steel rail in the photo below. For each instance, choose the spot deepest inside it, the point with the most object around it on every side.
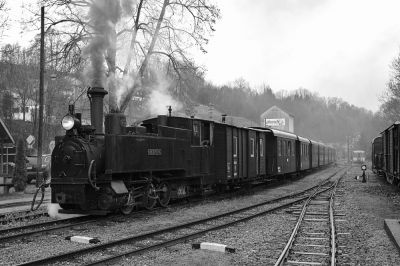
(332, 223)
(81, 221)
(178, 227)
(18, 204)
(292, 237)
(282, 258)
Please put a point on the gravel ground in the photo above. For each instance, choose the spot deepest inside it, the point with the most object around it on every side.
(260, 241)
(54, 243)
(366, 205)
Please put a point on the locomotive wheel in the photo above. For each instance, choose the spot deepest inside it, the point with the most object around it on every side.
(129, 206)
(127, 209)
(164, 194)
(389, 179)
(150, 197)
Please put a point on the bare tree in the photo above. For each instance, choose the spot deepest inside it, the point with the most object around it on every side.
(3, 17)
(391, 100)
(142, 33)
(18, 74)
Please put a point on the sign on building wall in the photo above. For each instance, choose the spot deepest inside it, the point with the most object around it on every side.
(274, 122)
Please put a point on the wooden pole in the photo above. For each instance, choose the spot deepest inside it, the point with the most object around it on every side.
(39, 180)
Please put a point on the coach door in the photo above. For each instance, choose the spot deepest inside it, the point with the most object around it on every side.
(235, 157)
(261, 153)
(395, 149)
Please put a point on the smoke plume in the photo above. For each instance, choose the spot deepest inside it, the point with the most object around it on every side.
(103, 14)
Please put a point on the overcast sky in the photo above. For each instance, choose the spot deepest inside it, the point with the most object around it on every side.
(340, 48)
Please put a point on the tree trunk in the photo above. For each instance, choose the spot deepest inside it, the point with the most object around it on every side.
(23, 108)
(143, 67)
(133, 40)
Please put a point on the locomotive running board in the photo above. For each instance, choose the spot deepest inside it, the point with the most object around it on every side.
(90, 212)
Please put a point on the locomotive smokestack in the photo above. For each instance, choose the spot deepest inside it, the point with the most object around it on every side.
(96, 96)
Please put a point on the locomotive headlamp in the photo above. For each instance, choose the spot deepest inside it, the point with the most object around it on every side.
(68, 122)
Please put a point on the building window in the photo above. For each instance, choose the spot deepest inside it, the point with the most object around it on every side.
(261, 148)
(235, 146)
(251, 147)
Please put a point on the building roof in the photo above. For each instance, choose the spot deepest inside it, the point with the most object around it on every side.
(303, 139)
(5, 136)
(283, 134)
(277, 109)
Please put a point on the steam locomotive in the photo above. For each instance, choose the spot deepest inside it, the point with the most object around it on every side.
(166, 158)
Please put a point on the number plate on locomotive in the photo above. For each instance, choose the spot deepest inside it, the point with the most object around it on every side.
(154, 152)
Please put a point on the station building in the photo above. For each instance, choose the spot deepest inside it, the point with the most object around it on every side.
(276, 118)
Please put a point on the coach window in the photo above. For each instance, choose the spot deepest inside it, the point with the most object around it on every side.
(251, 147)
(211, 134)
(261, 148)
(289, 148)
(235, 146)
(278, 146)
(205, 134)
(284, 147)
(293, 147)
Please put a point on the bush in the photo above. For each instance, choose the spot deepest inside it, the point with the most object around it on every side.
(19, 178)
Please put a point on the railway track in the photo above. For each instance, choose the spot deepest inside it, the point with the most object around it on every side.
(6, 218)
(313, 239)
(38, 228)
(19, 204)
(138, 244)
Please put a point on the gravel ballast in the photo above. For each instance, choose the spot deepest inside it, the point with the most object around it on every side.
(54, 243)
(362, 239)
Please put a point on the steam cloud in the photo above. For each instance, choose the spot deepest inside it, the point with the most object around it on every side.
(52, 210)
(160, 98)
